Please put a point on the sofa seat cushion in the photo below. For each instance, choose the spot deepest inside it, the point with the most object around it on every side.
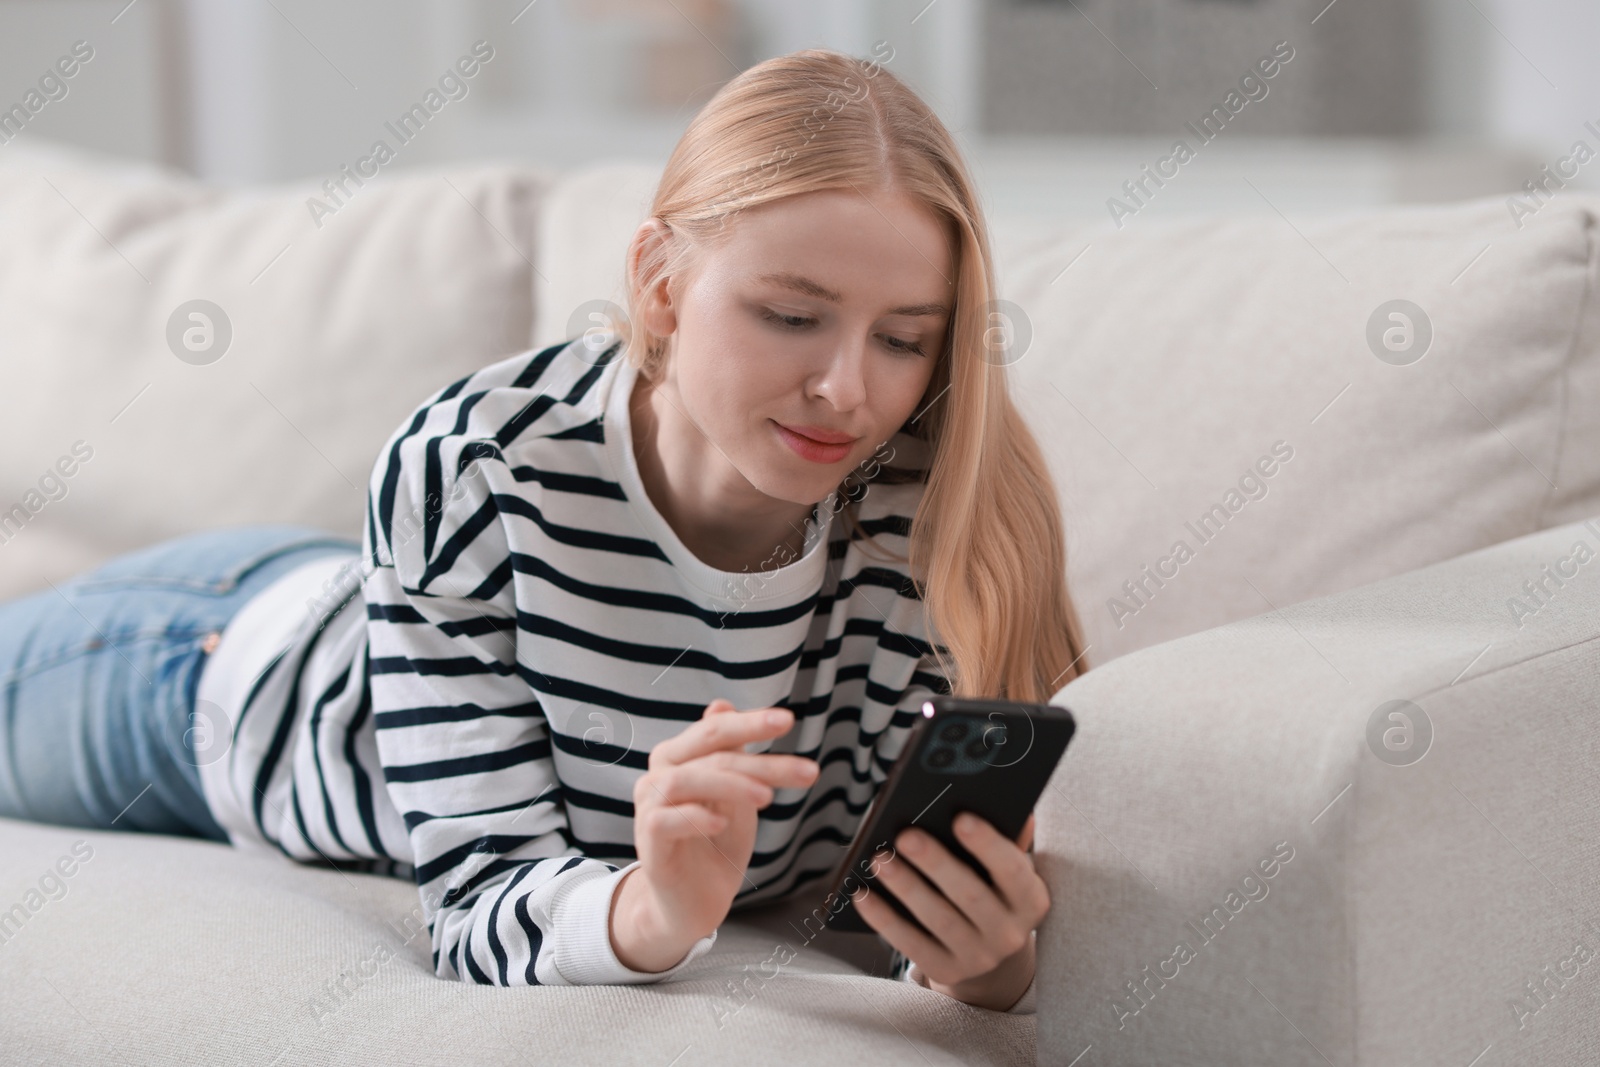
(160, 949)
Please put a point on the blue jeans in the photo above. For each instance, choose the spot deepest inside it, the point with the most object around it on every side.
(98, 677)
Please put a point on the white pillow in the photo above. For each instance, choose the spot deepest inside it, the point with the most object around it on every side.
(338, 332)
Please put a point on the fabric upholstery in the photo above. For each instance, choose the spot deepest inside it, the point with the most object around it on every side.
(338, 332)
(1420, 897)
(170, 950)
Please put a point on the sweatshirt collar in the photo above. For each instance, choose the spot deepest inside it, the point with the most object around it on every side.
(786, 584)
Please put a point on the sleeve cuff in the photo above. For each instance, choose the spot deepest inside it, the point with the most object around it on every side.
(1025, 1006)
(584, 955)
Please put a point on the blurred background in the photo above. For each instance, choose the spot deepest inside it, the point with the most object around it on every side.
(1058, 102)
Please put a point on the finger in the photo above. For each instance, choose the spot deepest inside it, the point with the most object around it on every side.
(1012, 869)
(1025, 839)
(951, 876)
(778, 771)
(718, 706)
(901, 934)
(722, 730)
(683, 820)
(697, 782)
(938, 915)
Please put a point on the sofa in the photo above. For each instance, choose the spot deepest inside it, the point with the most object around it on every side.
(1331, 489)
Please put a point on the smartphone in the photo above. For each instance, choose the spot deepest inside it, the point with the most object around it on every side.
(989, 757)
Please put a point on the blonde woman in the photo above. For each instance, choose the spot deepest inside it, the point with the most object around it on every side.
(639, 621)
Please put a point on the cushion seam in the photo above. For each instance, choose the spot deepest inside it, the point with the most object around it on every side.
(1566, 368)
(1520, 661)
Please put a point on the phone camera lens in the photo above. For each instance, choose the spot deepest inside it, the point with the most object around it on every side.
(953, 731)
(978, 748)
(941, 758)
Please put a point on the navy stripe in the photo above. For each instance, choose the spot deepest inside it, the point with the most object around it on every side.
(600, 752)
(483, 763)
(255, 687)
(455, 667)
(315, 727)
(365, 804)
(581, 484)
(577, 536)
(668, 603)
(501, 960)
(485, 845)
(392, 466)
(473, 970)
(414, 819)
(280, 735)
(427, 716)
(592, 431)
(654, 655)
(577, 798)
(532, 412)
(485, 517)
(535, 937)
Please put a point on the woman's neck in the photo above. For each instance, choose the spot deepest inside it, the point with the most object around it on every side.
(719, 516)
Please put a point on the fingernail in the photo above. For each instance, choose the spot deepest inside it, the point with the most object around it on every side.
(777, 717)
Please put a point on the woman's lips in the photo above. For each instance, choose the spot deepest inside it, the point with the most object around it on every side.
(812, 449)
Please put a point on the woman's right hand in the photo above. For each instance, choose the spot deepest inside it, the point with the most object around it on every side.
(694, 828)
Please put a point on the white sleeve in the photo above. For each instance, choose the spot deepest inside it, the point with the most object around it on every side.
(462, 738)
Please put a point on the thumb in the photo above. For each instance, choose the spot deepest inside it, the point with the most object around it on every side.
(1025, 839)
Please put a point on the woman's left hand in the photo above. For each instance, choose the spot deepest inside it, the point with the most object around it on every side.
(981, 951)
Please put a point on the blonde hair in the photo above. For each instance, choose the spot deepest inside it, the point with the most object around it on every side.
(987, 552)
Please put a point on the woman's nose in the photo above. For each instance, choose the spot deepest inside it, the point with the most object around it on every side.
(843, 381)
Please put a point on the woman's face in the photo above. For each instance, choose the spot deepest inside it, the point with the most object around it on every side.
(822, 314)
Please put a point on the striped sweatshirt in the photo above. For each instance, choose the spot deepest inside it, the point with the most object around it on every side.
(468, 702)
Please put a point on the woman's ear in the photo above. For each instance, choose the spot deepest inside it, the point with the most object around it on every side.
(647, 250)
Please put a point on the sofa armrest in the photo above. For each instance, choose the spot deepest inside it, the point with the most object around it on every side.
(1251, 861)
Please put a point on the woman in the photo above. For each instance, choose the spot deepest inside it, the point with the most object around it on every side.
(790, 465)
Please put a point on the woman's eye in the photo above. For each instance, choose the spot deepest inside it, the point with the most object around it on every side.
(905, 346)
(800, 322)
(790, 322)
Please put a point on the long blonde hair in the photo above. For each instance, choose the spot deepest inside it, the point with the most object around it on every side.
(987, 551)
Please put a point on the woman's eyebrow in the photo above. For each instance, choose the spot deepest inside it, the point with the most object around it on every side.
(801, 284)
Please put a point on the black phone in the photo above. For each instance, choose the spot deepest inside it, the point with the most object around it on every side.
(990, 757)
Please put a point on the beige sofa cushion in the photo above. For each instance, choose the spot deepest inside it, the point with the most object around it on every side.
(338, 332)
(1168, 360)
(165, 950)
(1424, 886)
